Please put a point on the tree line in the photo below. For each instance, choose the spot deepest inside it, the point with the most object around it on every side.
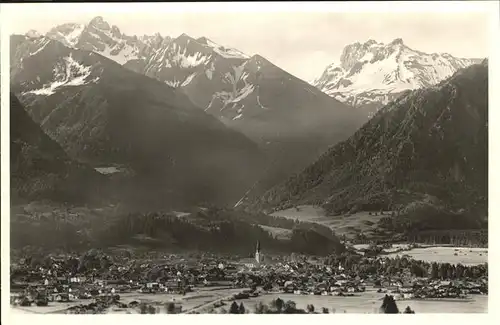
(357, 265)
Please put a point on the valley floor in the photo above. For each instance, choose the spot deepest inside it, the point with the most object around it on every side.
(203, 301)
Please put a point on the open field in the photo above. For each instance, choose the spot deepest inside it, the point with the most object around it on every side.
(348, 225)
(370, 301)
(367, 302)
(452, 255)
(52, 308)
(191, 301)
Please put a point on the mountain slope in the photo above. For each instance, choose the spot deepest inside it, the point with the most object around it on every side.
(292, 121)
(40, 169)
(373, 74)
(429, 145)
(109, 116)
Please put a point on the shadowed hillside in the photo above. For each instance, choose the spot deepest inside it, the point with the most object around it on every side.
(428, 150)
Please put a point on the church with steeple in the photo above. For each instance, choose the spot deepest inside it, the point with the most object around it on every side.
(257, 253)
(256, 261)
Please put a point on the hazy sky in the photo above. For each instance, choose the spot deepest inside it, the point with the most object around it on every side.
(303, 40)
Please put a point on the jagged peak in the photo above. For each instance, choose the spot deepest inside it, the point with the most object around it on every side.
(100, 23)
(397, 41)
(333, 67)
(258, 58)
(65, 26)
(183, 39)
(184, 36)
(115, 30)
(370, 42)
(96, 20)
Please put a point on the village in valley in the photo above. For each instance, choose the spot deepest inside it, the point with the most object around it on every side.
(205, 283)
(170, 162)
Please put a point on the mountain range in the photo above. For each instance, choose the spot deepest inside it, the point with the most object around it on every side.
(128, 124)
(248, 93)
(189, 123)
(291, 121)
(372, 74)
(427, 147)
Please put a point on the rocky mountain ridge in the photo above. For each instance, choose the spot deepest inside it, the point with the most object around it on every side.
(372, 74)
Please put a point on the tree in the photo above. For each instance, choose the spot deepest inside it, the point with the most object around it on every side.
(459, 271)
(408, 310)
(310, 308)
(234, 309)
(325, 310)
(279, 304)
(389, 305)
(443, 271)
(290, 307)
(434, 270)
(260, 308)
(170, 307)
(242, 308)
(418, 270)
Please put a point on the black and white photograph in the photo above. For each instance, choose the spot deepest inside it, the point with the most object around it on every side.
(169, 158)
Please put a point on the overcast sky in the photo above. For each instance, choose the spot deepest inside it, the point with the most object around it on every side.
(303, 43)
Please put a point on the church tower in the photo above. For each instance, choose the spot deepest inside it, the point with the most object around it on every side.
(257, 252)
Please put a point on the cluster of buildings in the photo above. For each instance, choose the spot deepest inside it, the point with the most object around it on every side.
(180, 275)
(437, 289)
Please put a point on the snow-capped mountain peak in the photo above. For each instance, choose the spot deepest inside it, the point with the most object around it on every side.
(68, 34)
(221, 50)
(374, 73)
(99, 23)
(100, 37)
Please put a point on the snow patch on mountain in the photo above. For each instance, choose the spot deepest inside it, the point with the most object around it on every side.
(180, 83)
(239, 92)
(67, 73)
(72, 37)
(118, 55)
(173, 83)
(233, 97)
(42, 45)
(188, 79)
(184, 60)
